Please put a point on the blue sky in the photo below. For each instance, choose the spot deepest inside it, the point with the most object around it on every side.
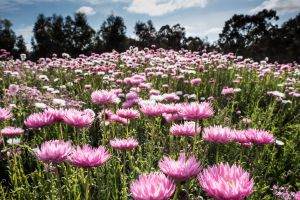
(203, 18)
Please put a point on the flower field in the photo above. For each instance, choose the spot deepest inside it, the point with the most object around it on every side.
(149, 125)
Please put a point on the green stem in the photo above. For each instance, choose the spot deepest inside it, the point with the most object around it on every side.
(178, 189)
(87, 185)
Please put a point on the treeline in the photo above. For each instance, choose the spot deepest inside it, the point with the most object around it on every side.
(253, 36)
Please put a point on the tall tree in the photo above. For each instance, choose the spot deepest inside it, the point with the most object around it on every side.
(42, 44)
(242, 32)
(145, 32)
(58, 35)
(290, 39)
(7, 35)
(20, 46)
(82, 35)
(194, 44)
(170, 37)
(112, 33)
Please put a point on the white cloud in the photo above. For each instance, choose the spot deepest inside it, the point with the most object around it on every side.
(213, 30)
(203, 30)
(86, 10)
(26, 32)
(282, 6)
(161, 7)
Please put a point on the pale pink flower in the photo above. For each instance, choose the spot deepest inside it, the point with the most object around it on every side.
(217, 134)
(224, 182)
(58, 114)
(196, 81)
(259, 136)
(38, 120)
(12, 131)
(186, 129)
(240, 137)
(88, 157)
(131, 96)
(227, 91)
(196, 111)
(171, 97)
(128, 113)
(152, 110)
(181, 169)
(297, 196)
(104, 97)
(105, 114)
(130, 103)
(152, 186)
(124, 144)
(171, 108)
(13, 89)
(119, 119)
(54, 151)
(78, 118)
(172, 117)
(5, 114)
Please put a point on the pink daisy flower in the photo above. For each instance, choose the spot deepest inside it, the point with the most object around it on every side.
(119, 119)
(124, 144)
(104, 97)
(78, 118)
(240, 137)
(54, 151)
(5, 114)
(181, 169)
(227, 91)
(224, 182)
(128, 113)
(259, 136)
(152, 110)
(153, 186)
(58, 114)
(172, 117)
(186, 129)
(38, 120)
(196, 111)
(217, 134)
(88, 157)
(196, 81)
(12, 131)
(13, 89)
